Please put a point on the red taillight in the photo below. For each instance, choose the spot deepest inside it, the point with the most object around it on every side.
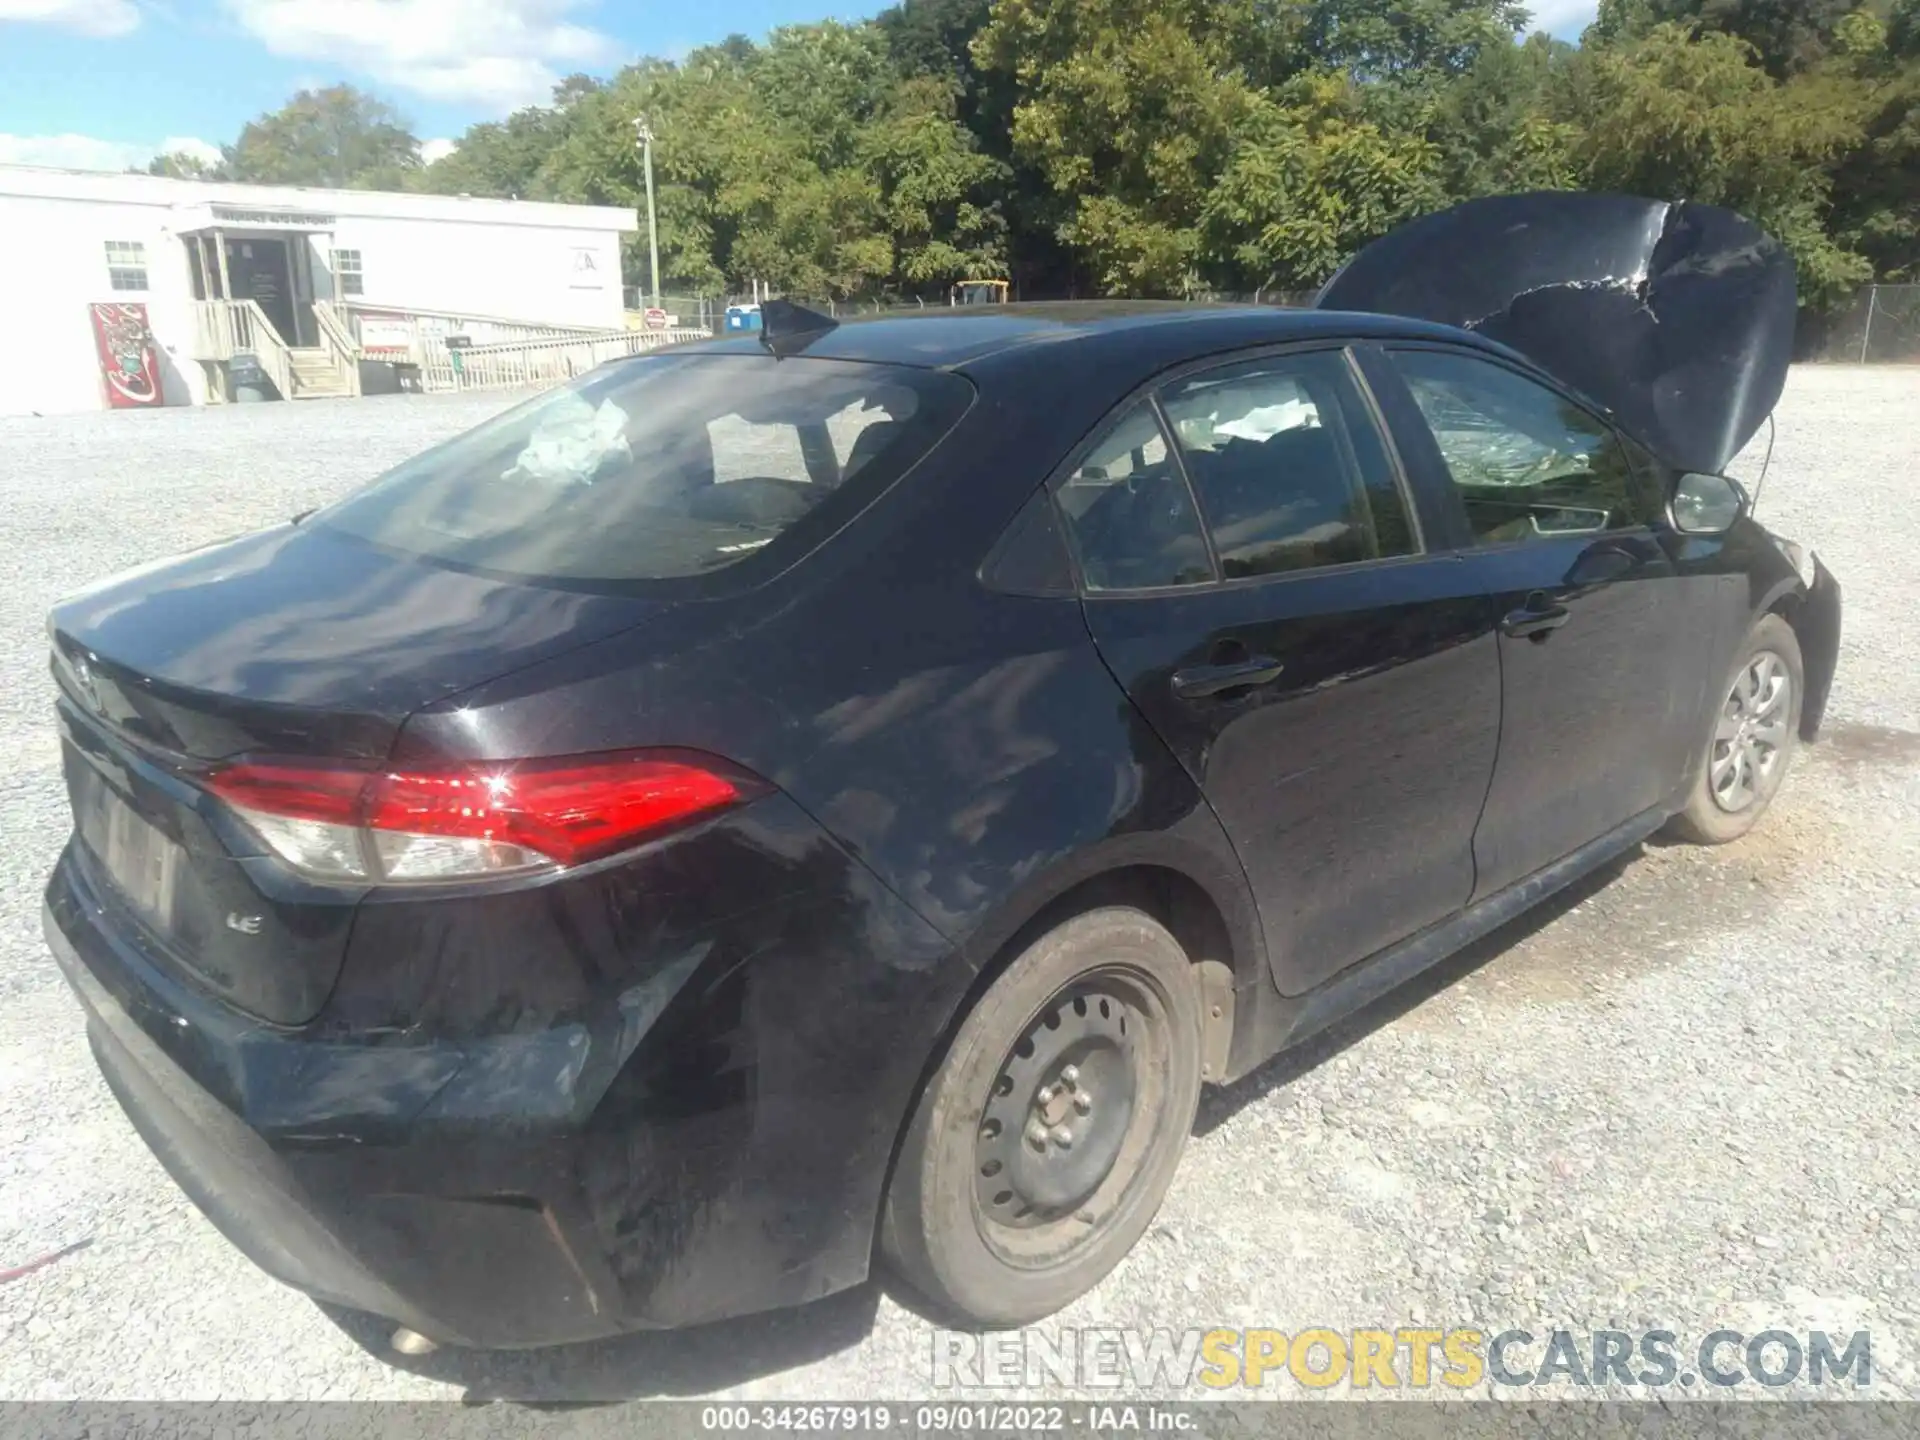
(483, 819)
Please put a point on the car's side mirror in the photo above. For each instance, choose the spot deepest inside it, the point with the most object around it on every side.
(1707, 504)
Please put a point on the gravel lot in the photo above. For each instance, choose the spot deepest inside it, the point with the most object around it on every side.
(1683, 1098)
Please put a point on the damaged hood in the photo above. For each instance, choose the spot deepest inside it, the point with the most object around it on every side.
(1677, 317)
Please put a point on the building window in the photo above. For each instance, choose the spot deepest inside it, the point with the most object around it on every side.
(127, 264)
(348, 278)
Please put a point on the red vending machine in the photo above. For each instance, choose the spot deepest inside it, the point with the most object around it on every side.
(127, 360)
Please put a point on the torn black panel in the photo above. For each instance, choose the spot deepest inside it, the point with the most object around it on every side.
(1677, 317)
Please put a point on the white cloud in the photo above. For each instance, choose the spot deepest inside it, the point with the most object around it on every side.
(86, 152)
(190, 145)
(1563, 17)
(498, 53)
(432, 150)
(89, 17)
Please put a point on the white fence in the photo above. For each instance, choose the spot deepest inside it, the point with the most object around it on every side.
(523, 364)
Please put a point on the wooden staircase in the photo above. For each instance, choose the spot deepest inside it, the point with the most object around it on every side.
(315, 373)
(224, 329)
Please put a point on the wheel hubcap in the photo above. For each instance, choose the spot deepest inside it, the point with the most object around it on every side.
(1751, 733)
(1059, 1110)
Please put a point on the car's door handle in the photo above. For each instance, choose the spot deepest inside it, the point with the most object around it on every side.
(1202, 681)
(1537, 620)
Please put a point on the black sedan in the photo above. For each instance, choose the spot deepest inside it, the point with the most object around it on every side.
(847, 789)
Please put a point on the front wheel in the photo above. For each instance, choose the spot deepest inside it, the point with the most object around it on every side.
(1045, 1142)
(1751, 744)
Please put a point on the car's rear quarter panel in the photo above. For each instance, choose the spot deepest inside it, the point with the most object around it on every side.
(953, 759)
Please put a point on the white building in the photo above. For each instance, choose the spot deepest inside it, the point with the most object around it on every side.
(306, 281)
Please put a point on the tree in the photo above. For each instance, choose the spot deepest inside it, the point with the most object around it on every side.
(940, 196)
(1620, 21)
(337, 136)
(1903, 29)
(501, 158)
(1128, 109)
(1166, 147)
(1493, 127)
(821, 83)
(1677, 117)
(1309, 182)
(1876, 185)
(1790, 36)
(1406, 39)
(179, 165)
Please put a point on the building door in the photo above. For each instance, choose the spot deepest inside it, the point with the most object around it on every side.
(261, 269)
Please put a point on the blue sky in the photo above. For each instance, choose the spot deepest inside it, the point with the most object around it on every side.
(106, 83)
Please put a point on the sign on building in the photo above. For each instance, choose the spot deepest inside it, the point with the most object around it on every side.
(586, 269)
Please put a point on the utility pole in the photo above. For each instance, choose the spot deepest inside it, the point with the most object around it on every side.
(644, 133)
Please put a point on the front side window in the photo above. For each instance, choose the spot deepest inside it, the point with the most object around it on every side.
(660, 468)
(127, 264)
(1130, 513)
(1290, 471)
(1527, 463)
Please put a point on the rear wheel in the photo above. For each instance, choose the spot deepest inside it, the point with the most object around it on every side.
(1048, 1137)
(1752, 740)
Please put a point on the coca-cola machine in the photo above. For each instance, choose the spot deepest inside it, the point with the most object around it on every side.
(128, 362)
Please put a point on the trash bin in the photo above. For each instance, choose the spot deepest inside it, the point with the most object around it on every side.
(246, 381)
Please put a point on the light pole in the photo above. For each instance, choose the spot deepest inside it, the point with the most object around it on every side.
(644, 137)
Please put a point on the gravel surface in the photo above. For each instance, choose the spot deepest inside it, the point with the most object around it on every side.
(1682, 1097)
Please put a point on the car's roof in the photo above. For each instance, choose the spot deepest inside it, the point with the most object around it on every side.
(1163, 332)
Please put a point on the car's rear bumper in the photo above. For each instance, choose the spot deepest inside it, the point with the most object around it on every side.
(735, 1166)
(343, 1221)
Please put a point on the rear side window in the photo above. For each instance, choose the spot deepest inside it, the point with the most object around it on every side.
(1528, 464)
(1130, 513)
(1290, 471)
(661, 468)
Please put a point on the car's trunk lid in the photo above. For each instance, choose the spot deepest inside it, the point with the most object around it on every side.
(295, 642)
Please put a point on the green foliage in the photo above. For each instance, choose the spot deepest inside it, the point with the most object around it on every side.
(179, 165)
(1402, 39)
(508, 157)
(1492, 127)
(1128, 109)
(1168, 147)
(1789, 36)
(1903, 29)
(1676, 117)
(337, 136)
(1309, 182)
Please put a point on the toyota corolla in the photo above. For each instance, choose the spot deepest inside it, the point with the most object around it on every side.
(842, 792)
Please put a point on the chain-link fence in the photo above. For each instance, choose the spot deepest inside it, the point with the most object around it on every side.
(1881, 326)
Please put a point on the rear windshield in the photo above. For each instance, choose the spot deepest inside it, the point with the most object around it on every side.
(660, 468)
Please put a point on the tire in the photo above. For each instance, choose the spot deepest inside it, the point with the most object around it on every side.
(1722, 807)
(1106, 1008)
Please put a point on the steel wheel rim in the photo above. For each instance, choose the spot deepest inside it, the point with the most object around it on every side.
(1751, 734)
(1036, 1201)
